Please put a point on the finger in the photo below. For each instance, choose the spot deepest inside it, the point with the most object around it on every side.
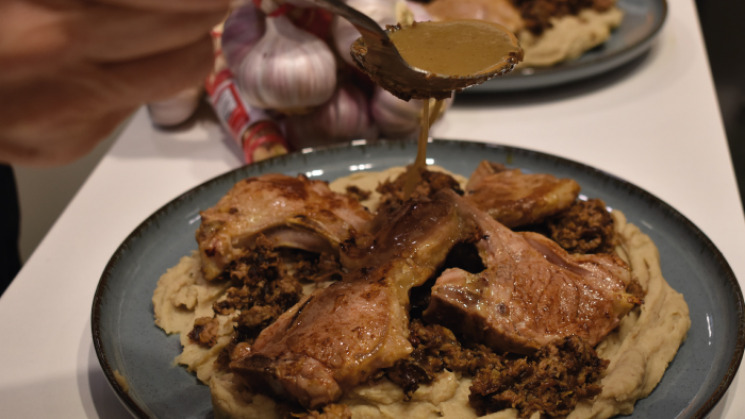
(160, 76)
(50, 122)
(53, 145)
(77, 138)
(111, 34)
(171, 5)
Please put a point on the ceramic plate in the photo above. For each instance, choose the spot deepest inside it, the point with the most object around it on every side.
(127, 341)
(641, 24)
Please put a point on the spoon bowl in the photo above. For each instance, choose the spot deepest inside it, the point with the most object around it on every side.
(378, 56)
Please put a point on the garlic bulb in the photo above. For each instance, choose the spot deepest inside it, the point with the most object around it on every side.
(289, 69)
(243, 28)
(381, 11)
(399, 119)
(394, 117)
(344, 117)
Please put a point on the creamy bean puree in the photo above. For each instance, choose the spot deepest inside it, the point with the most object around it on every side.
(639, 350)
(570, 37)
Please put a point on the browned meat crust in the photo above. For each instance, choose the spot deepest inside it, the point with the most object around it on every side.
(515, 198)
(393, 195)
(431, 182)
(586, 227)
(551, 381)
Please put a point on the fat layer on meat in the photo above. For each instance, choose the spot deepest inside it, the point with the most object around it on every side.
(290, 211)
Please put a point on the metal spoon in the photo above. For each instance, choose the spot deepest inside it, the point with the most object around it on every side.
(377, 56)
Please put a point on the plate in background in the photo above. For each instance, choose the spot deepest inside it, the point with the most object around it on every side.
(642, 22)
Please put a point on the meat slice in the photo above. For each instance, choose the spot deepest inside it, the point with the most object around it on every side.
(531, 291)
(341, 335)
(515, 198)
(290, 211)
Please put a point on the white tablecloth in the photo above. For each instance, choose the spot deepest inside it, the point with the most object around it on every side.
(655, 123)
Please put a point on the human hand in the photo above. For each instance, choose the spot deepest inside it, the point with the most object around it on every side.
(72, 70)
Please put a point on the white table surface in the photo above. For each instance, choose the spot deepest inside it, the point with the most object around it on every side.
(655, 123)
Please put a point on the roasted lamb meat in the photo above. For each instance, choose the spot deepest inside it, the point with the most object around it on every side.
(290, 211)
(339, 336)
(527, 293)
(531, 291)
(515, 198)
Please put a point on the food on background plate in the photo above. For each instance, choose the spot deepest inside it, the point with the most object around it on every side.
(369, 304)
(550, 31)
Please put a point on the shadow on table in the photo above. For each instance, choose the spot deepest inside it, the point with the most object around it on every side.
(103, 399)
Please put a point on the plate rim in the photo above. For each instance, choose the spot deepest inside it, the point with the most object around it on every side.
(120, 252)
(541, 77)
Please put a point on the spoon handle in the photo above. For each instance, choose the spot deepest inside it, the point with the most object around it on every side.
(368, 28)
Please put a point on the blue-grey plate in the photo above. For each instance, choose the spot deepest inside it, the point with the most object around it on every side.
(127, 341)
(642, 22)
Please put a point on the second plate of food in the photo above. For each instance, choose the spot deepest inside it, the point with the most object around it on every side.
(642, 22)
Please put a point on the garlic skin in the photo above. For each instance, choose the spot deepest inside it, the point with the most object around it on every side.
(394, 117)
(288, 70)
(344, 34)
(344, 117)
(175, 110)
(400, 119)
(242, 30)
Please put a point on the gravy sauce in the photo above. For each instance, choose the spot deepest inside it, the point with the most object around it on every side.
(462, 48)
(458, 48)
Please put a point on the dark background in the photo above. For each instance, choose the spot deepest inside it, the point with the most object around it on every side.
(723, 24)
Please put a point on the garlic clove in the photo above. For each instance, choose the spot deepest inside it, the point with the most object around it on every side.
(344, 117)
(397, 118)
(241, 31)
(175, 110)
(288, 70)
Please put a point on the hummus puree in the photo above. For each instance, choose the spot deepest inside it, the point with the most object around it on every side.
(569, 37)
(639, 351)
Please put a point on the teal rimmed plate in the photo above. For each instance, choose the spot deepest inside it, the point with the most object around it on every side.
(128, 343)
